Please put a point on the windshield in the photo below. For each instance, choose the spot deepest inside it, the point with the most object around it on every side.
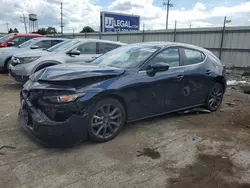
(126, 56)
(5, 38)
(26, 44)
(62, 46)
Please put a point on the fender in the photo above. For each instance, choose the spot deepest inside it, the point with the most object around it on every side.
(47, 64)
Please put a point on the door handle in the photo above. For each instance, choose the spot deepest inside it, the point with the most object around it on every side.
(208, 72)
(179, 77)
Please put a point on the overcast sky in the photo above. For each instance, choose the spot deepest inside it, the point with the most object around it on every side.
(79, 13)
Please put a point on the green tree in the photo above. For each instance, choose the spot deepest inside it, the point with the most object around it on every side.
(51, 30)
(11, 30)
(87, 29)
(16, 31)
(41, 31)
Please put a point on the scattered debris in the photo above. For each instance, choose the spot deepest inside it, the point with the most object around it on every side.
(8, 147)
(235, 82)
(236, 99)
(230, 103)
(149, 153)
(6, 115)
(246, 73)
(224, 157)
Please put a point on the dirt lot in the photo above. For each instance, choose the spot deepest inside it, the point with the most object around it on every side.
(205, 150)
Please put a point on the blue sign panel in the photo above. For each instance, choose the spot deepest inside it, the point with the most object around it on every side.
(119, 22)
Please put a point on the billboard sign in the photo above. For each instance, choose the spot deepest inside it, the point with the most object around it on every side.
(112, 22)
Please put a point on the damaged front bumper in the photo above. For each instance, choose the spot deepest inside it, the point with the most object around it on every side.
(48, 131)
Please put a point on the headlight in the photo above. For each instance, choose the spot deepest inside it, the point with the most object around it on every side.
(64, 98)
(29, 59)
(1, 52)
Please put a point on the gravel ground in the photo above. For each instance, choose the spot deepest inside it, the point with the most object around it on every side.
(178, 151)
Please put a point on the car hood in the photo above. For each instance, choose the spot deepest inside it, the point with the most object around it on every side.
(33, 53)
(73, 72)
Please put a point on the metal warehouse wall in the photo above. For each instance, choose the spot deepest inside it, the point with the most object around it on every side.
(235, 49)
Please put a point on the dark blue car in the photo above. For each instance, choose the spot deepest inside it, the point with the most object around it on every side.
(129, 83)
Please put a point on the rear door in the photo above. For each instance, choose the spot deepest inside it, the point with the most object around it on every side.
(197, 77)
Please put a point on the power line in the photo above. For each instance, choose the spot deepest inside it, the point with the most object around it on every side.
(168, 4)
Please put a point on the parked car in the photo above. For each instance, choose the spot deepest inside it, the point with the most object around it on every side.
(36, 43)
(16, 39)
(129, 83)
(78, 50)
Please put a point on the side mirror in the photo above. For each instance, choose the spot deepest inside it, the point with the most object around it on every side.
(10, 44)
(158, 67)
(74, 52)
(34, 47)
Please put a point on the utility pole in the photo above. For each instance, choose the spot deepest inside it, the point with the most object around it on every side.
(190, 25)
(168, 4)
(61, 18)
(7, 27)
(24, 21)
(222, 36)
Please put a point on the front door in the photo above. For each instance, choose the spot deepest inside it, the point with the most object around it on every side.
(88, 53)
(159, 93)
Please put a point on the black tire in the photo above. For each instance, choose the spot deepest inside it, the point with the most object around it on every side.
(7, 65)
(215, 97)
(105, 123)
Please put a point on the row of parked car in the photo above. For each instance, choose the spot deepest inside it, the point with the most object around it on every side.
(35, 54)
(90, 95)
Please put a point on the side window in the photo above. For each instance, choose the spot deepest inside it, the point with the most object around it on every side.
(44, 44)
(169, 56)
(106, 47)
(18, 40)
(29, 37)
(54, 42)
(87, 48)
(192, 57)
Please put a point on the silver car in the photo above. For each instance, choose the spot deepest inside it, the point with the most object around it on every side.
(35, 43)
(72, 51)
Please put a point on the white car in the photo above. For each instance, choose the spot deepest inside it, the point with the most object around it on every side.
(71, 51)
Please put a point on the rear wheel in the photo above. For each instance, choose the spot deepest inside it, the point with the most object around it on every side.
(215, 97)
(106, 119)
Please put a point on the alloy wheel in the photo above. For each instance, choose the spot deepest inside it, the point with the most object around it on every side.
(106, 121)
(215, 98)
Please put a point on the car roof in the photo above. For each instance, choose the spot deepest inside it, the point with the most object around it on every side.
(25, 34)
(99, 40)
(169, 44)
(48, 38)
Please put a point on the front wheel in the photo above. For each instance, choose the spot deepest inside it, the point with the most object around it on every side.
(7, 66)
(106, 119)
(215, 97)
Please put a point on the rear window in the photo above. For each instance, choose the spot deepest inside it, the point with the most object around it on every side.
(193, 57)
(106, 47)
